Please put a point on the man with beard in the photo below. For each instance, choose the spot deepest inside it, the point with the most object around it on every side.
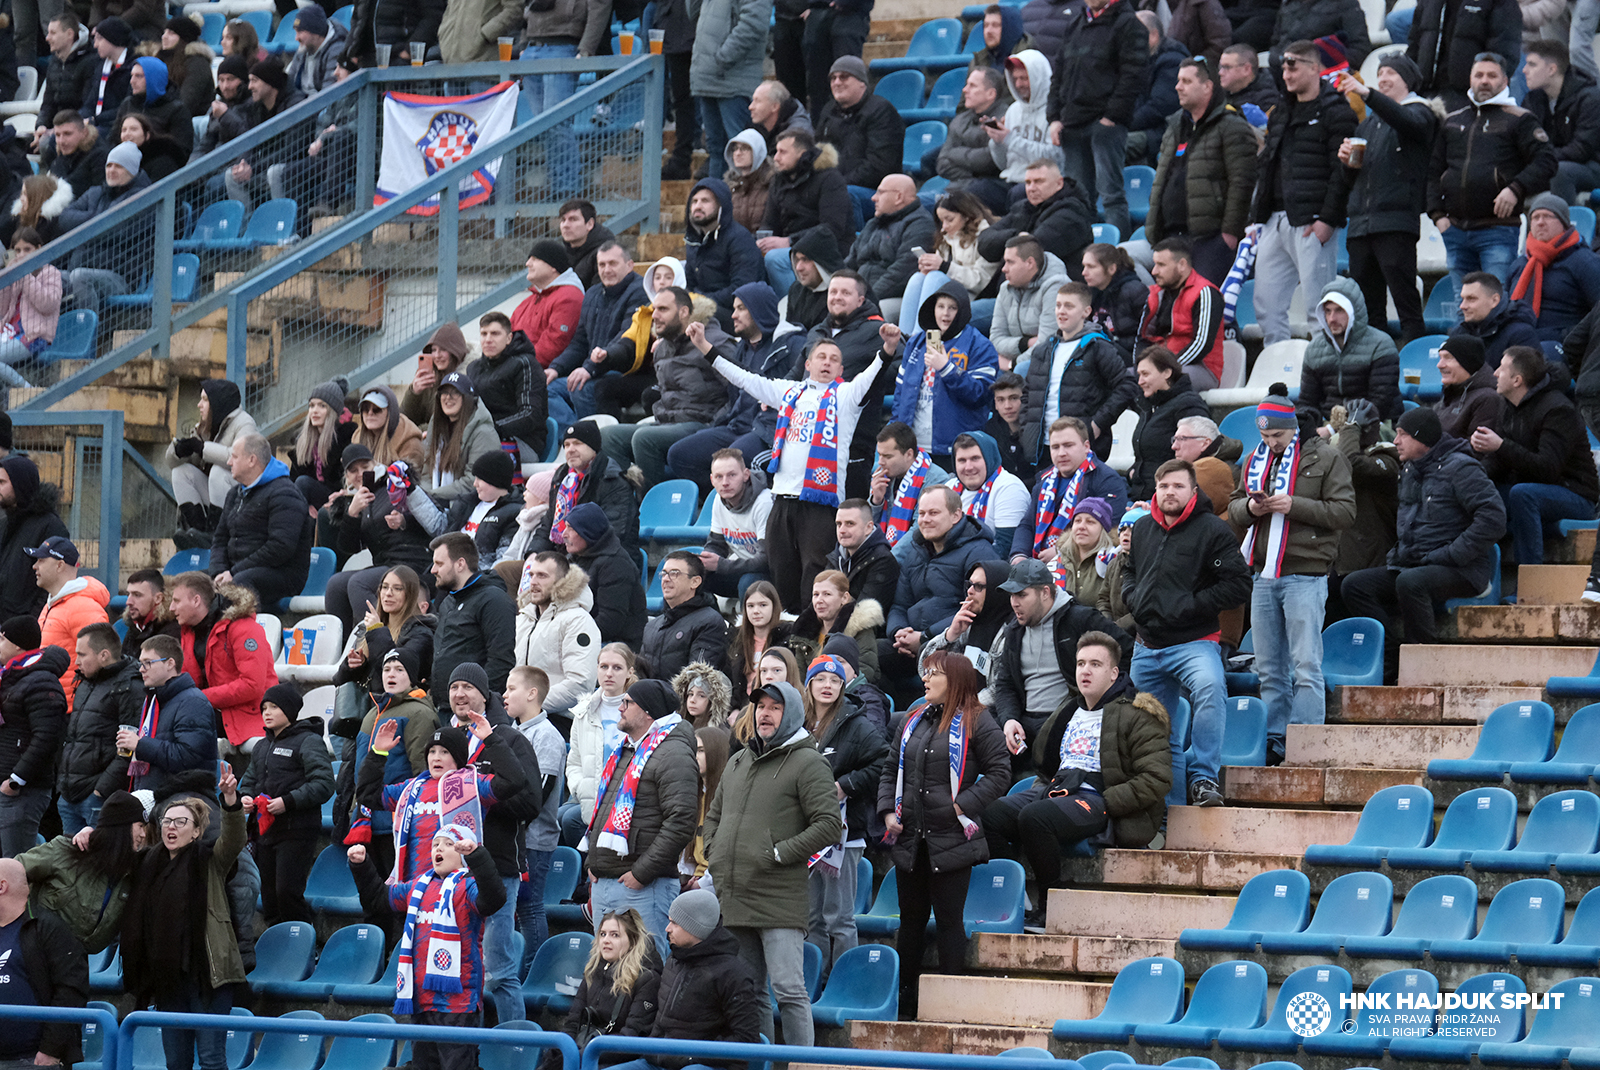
(477, 619)
(720, 255)
(852, 324)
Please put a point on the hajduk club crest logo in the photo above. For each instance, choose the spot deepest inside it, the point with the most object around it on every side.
(450, 138)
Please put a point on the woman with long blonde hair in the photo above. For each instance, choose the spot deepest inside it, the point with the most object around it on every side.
(595, 735)
(324, 433)
(776, 664)
(617, 995)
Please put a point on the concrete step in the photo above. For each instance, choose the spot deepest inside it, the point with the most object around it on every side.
(1086, 912)
(946, 1037)
(1424, 705)
(653, 247)
(1575, 549)
(1530, 623)
(1098, 956)
(1550, 585)
(1376, 746)
(1007, 1001)
(1194, 828)
(883, 50)
(1295, 785)
(1483, 665)
(901, 30)
(1172, 870)
(675, 193)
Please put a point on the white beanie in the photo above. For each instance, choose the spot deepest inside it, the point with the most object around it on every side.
(126, 155)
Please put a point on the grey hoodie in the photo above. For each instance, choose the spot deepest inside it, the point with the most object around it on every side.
(1027, 124)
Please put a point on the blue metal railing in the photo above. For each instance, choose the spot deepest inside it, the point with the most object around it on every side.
(111, 444)
(103, 1019)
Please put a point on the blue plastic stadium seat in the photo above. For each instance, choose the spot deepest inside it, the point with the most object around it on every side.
(811, 967)
(1439, 312)
(864, 985)
(699, 531)
(555, 972)
(1401, 816)
(863, 885)
(1524, 912)
(1146, 990)
(566, 870)
(1241, 423)
(380, 991)
(1579, 948)
(1095, 1060)
(1562, 829)
(219, 222)
(1495, 1024)
(1515, 732)
(75, 337)
(1583, 218)
(509, 1056)
(1193, 1062)
(270, 224)
(884, 917)
(283, 39)
(1352, 653)
(1481, 819)
(1575, 758)
(360, 1053)
(902, 89)
(1244, 683)
(289, 1051)
(935, 40)
(996, 898)
(1376, 1024)
(1230, 995)
(211, 30)
(1328, 981)
(1444, 907)
(353, 955)
(920, 137)
(323, 565)
(1278, 901)
(93, 1037)
(1356, 904)
(654, 600)
(949, 84)
(1244, 731)
(1022, 785)
(1136, 183)
(283, 953)
(330, 888)
(1026, 1052)
(1556, 1030)
(186, 561)
(1419, 368)
(670, 503)
(1576, 686)
(105, 971)
(260, 21)
(1106, 232)
(1490, 595)
(185, 278)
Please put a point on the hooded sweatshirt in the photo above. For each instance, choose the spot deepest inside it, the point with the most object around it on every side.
(940, 405)
(1027, 123)
(1362, 363)
(749, 188)
(1006, 502)
(166, 112)
(632, 350)
(739, 528)
(804, 307)
(721, 258)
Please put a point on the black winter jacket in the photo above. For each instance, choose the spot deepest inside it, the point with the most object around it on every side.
(601, 1008)
(368, 530)
(119, 252)
(82, 170)
(293, 765)
(512, 758)
(1219, 174)
(606, 486)
(512, 389)
(869, 136)
(666, 810)
(965, 153)
(1152, 437)
(882, 251)
(1573, 123)
(1175, 580)
(89, 761)
(1545, 441)
(718, 262)
(814, 194)
(694, 630)
(1465, 407)
(1389, 192)
(873, 570)
(1446, 34)
(857, 751)
(743, 414)
(167, 113)
(1158, 97)
(67, 81)
(475, 623)
(1449, 514)
(1581, 351)
(1095, 386)
(58, 972)
(1100, 67)
(22, 527)
(1045, 23)
(1307, 20)
(927, 810)
(185, 738)
(1067, 626)
(34, 709)
(1062, 224)
(497, 527)
(1303, 146)
(708, 993)
(265, 526)
(416, 636)
(933, 585)
(606, 312)
(614, 578)
(1119, 308)
(1482, 149)
(1509, 325)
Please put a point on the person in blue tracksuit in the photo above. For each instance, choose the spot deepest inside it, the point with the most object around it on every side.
(952, 391)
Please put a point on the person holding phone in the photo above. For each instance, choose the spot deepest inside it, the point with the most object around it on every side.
(945, 385)
(369, 516)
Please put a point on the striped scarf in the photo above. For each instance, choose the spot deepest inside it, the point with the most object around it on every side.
(1051, 517)
(821, 482)
(1255, 482)
(978, 508)
(958, 765)
(898, 514)
(613, 835)
(565, 498)
(149, 721)
(441, 964)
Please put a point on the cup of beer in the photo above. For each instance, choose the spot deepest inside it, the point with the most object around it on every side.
(658, 38)
(122, 752)
(383, 54)
(505, 48)
(419, 52)
(626, 41)
(1358, 151)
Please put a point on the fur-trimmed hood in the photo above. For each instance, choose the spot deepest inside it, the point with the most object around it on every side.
(1151, 705)
(571, 589)
(714, 683)
(53, 206)
(234, 601)
(859, 617)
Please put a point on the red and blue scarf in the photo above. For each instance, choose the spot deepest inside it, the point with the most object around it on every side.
(1051, 518)
(898, 513)
(978, 507)
(821, 483)
(1282, 482)
(566, 497)
(442, 958)
(613, 836)
(958, 765)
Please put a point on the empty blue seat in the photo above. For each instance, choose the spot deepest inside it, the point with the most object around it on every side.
(353, 955)
(1494, 1023)
(1376, 1024)
(1352, 653)
(884, 917)
(105, 971)
(509, 1056)
(944, 97)
(360, 1053)
(1026, 1052)
(1515, 732)
(1575, 757)
(289, 1051)
(186, 561)
(1583, 218)
(1022, 785)
(1194, 1062)
(1329, 982)
(1444, 907)
(920, 137)
(185, 278)
(379, 992)
(936, 39)
(566, 870)
(1440, 311)
(668, 503)
(1575, 1023)
(1244, 731)
(1278, 901)
(1228, 995)
(1240, 683)
(1401, 816)
(1524, 912)
(1484, 818)
(1356, 904)
(1563, 827)
(323, 565)
(698, 531)
(863, 884)
(1419, 368)
(1580, 947)
(1106, 232)
(996, 898)
(260, 21)
(1576, 686)
(283, 953)
(270, 224)
(283, 39)
(1145, 991)
(94, 1038)
(330, 888)
(211, 31)
(1136, 183)
(556, 969)
(903, 88)
(1095, 1060)
(1241, 423)
(864, 985)
(75, 337)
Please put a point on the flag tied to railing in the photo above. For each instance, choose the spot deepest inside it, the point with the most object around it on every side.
(423, 135)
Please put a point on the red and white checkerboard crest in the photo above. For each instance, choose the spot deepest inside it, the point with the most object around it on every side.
(450, 138)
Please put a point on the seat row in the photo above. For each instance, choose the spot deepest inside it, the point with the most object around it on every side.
(1518, 742)
(1402, 1013)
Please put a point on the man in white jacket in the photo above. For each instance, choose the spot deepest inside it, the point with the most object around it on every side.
(555, 630)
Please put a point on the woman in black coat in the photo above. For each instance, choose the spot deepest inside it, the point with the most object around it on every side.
(1167, 396)
(931, 800)
(1119, 294)
(618, 993)
(367, 519)
(397, 611)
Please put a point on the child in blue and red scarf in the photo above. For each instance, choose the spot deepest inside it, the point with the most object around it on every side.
(440, 980)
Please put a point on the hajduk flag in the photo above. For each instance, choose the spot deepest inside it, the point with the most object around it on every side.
(423, 135)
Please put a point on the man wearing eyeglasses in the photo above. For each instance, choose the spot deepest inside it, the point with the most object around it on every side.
(177, 726)
(690, 628)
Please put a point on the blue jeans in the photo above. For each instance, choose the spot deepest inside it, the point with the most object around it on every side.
(1095, 154)
(721, 118)
(1532, 510)
(1398, 23)
(572, 826)
(609, 895)
(530, 906)
(1286, 622)
(78, 815)
(546, 91)
(780, 273)
(182, 1045)
(566, 406)
(502, 979)
(690, 458)
(1198, 667)
(19, 818)
(1490, 249)
(646, 446)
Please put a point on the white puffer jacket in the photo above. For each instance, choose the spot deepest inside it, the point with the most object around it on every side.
(562, 639)
(586, 753)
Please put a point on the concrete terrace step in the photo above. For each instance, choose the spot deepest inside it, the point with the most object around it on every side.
(1424, 705)
(1098, 956)
(1155, 915)
(947, 1037)
(1201, 871)
(1489, 884)
(1523, 623)
(1575, 549)
(1550, 585)
(1256, 831)
(1364, 746)
(1296, 785)
(1007, 1001)
(1439, 665)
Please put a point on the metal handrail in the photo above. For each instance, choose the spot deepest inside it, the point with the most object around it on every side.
(112, 441)
(82, 1016)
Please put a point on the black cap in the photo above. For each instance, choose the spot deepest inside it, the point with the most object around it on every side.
(21, 631)
(1421, 424)
(354, 453)
(57, 546)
